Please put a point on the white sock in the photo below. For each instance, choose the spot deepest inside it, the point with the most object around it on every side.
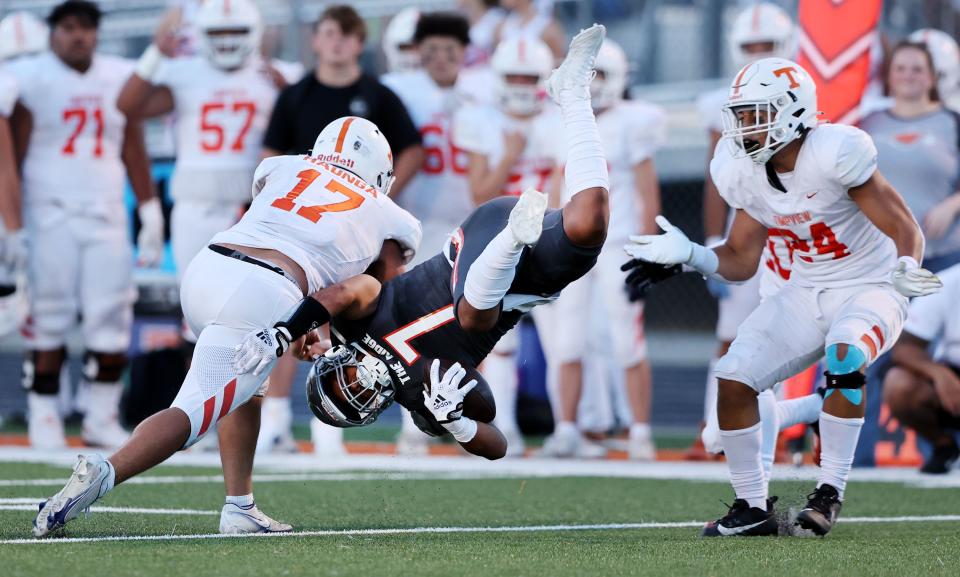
(240, 500)
(278, 410)
(804, 409)
(838, 442)
(566, 428)
(491, 275)
(640, 431)
(500, 371)
(407, 426)
(710, 436)
(103, 403)
(710, 394)
(770, 430)
(742, 449)
(586, 163)
(108, 483)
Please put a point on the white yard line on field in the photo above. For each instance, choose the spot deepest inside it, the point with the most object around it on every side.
(444, 530)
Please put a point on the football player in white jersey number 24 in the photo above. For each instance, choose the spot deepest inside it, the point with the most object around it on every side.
(856, 252)
(314, 221)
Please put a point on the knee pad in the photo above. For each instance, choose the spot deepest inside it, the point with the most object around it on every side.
(845, 374)
(103, 367)
(43, 377)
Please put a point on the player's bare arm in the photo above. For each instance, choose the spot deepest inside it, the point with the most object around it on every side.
(486, 181)
(137, 162)
(912, 353)
(21, 127)
(139, 97)
(648, 193)
(739, 255)
(10, 200)
(886, 209)
(354, 298)
(390, 264)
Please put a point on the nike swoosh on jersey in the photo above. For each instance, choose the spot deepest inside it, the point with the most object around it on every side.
(813, 194)
(737, 530)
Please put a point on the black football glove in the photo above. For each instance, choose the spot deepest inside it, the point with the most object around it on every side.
(643, 276)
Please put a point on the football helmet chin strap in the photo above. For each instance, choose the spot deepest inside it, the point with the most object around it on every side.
(359, 405)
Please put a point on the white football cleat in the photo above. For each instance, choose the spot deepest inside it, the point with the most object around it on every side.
(105, 434)
(576, 70)
(92, 477)
(236, 520)
(526, 217)
(569, 443)
(327, 440)
(413, 443)
(641, 448)
(516, 447)
(44, 424)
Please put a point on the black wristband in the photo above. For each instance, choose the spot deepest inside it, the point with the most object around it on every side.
(308, 316)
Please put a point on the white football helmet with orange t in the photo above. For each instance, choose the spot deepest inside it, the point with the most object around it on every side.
(784, 101)
(357, 145)
(522, 57)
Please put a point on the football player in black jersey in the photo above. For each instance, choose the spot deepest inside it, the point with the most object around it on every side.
(508, 256)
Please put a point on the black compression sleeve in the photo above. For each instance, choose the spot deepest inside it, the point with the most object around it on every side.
(308, 316)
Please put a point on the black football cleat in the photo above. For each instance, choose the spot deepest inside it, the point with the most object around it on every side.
(745, 521)
(822, 510)
(943, 459)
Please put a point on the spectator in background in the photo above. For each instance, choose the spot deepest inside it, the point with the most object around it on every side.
(485, 17)
(918, 150)
(75, 147)
(526, 20)
(923, 390)
(439, 195)
(338, 87)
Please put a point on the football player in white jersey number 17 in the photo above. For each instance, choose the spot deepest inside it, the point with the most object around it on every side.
(222, 98)
(315, 220)
(76, 146)
(856, 251)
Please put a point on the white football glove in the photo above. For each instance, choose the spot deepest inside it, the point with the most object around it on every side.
(150, 239)
(260, 348)
(671, 247)
(912, 281)
(445, 397)
(14, 251)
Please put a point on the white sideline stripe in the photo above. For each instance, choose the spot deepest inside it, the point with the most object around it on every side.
(33, 507)
(445, 530)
